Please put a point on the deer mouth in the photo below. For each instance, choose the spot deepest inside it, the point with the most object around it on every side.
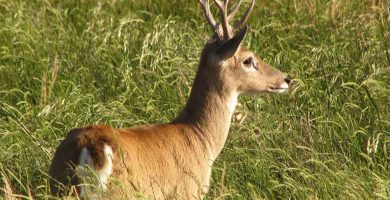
(279, 89)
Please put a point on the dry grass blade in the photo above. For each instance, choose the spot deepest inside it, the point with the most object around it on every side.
(7, 190)
(54, 74)
(44, 94)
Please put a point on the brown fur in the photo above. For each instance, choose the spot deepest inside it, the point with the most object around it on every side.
(150, 159)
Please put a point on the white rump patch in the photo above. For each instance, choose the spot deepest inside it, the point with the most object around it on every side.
(102, 175)
(107, 169)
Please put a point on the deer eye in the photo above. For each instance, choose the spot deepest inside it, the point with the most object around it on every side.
(248, 62)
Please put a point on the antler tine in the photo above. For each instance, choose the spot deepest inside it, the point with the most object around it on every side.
(246, 15)
(234, 12)
(209, 17)
(224, 18)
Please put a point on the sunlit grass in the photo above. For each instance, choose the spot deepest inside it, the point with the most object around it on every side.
(65, 64)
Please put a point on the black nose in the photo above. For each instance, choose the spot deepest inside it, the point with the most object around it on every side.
(288, 80)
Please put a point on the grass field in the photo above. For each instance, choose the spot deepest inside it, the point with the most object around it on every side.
(69, 63)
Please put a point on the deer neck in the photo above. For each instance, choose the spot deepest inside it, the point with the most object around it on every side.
(209, 109)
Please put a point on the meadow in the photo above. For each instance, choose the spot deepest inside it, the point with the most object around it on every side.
(70, 63)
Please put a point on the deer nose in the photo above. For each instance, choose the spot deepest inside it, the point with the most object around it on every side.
(288, 80)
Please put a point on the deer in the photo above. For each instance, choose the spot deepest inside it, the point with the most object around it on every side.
(172, 160)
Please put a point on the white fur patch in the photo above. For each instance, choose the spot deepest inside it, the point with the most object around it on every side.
(233, 103)
(210, 162)
(107, 169)
(282, 88)
(278, 90)
(103, 174)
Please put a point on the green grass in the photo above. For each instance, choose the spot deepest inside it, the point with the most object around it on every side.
(66, 63)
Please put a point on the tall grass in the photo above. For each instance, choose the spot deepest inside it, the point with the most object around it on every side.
(71, 63)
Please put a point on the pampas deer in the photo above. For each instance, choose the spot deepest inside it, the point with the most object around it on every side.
(172, 160)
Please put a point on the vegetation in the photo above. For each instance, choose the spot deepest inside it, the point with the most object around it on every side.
(69, 63)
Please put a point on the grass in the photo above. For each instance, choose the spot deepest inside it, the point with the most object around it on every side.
(65, 64)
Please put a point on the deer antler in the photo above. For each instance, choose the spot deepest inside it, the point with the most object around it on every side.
(209, 17)
(224, 18)
(227, 30)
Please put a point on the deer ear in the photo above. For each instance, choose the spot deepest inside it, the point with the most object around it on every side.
(229, 48)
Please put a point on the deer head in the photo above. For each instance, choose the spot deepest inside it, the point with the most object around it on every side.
(234, 67)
